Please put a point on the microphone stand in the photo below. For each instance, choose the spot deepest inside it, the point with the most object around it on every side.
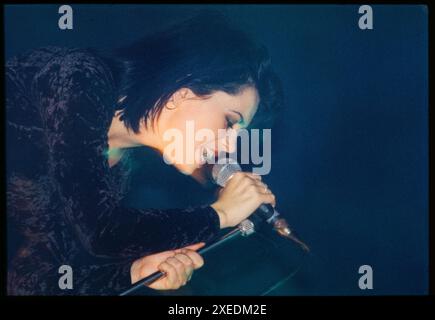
(245, 228)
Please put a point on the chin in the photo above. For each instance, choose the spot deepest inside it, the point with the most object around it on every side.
(187, 169)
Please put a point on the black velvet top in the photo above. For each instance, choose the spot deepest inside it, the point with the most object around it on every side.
(61, 192)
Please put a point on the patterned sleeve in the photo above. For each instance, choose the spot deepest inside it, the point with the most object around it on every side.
(74, 92)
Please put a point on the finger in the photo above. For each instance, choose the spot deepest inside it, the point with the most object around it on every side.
(263, 190)
(239, 179)
(198, 261)
(263, 187)
(246, 182)
(190, 276)
(253, 176)
(185, 259)
(179, 267)
(240, 176)
(188, 265)
(164, 255)
(170, 274)
(184, 270)
(195, 246)
(237, 176)
(268, 198)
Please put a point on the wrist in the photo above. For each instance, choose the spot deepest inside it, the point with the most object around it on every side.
(221, 215)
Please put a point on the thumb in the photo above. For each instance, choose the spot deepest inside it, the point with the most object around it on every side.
(193, 247)
(162, 256)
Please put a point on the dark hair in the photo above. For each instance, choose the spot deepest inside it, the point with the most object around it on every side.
(205, 54)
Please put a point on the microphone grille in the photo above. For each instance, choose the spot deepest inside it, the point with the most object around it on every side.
(222, 172)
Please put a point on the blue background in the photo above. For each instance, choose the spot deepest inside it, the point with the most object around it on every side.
(350, 151)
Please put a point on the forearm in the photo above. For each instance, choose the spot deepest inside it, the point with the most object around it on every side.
(133, 233)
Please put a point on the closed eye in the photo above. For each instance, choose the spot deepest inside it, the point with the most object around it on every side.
(230, 122)
(235, 118)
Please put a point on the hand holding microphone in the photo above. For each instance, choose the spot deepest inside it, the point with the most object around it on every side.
(240, 197)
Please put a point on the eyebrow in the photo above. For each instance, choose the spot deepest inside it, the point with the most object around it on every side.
(242, 119)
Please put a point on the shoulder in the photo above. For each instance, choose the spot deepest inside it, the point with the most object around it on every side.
(74, 81)
(34, 58)
(76, 65)
(21, 68)
(41, 56)
(61, 65)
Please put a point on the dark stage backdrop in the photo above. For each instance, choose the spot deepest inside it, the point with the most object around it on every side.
(350, 151)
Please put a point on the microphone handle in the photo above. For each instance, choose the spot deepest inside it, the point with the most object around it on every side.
(267, 213)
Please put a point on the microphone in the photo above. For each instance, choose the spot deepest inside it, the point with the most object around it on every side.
(223, 172)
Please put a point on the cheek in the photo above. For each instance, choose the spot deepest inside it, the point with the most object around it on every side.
(207, 115)
(205, 118)
(208, 118)
(204, 115)
(214, 124)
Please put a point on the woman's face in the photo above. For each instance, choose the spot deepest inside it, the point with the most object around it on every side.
(191, 126)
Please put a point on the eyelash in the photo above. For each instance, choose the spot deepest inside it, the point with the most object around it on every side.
(230, 124)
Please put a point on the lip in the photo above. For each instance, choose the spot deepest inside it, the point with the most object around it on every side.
(205, 155)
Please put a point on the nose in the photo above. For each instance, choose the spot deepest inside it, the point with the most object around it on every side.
(229, 142)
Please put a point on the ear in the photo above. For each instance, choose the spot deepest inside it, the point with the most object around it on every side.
(179, 96)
